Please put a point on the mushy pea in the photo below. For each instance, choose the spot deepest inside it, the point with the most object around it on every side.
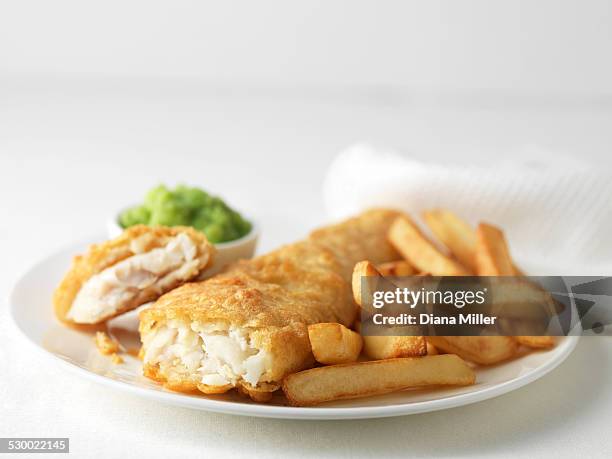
(188, 206)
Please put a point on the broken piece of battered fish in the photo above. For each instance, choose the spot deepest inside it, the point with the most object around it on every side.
(247, 328)
(124, 273)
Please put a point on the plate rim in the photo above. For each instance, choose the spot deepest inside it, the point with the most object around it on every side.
(284, 412)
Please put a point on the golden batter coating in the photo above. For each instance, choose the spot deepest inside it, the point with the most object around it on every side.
(105, 344)
(136, 240)
(265, 306)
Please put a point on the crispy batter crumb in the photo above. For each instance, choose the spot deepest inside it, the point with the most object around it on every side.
(116, 359)
(105, 344)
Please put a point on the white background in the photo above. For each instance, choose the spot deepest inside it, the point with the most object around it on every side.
(542, 45)
(100, 101)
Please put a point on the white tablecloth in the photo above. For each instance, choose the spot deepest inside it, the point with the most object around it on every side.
(70, 155)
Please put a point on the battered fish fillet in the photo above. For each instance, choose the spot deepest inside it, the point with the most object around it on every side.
(124, 273)
(246, 328)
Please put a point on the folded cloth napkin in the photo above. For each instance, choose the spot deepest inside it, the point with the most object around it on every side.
(556, 211)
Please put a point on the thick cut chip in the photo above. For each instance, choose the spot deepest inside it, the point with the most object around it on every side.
(456, 234)
(333, 343)
(484, 350)
(363, 379)
(492, 253)
(390, 347)
(420, 252)
(536, 342)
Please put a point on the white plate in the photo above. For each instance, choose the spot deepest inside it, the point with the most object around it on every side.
(31, 309)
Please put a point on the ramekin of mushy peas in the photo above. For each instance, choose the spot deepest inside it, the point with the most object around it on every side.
(187, 206)
(234, 236)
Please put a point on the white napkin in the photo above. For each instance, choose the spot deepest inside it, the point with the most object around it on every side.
(555, 211)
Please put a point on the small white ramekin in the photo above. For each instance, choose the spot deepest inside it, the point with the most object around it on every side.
(227, 252)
